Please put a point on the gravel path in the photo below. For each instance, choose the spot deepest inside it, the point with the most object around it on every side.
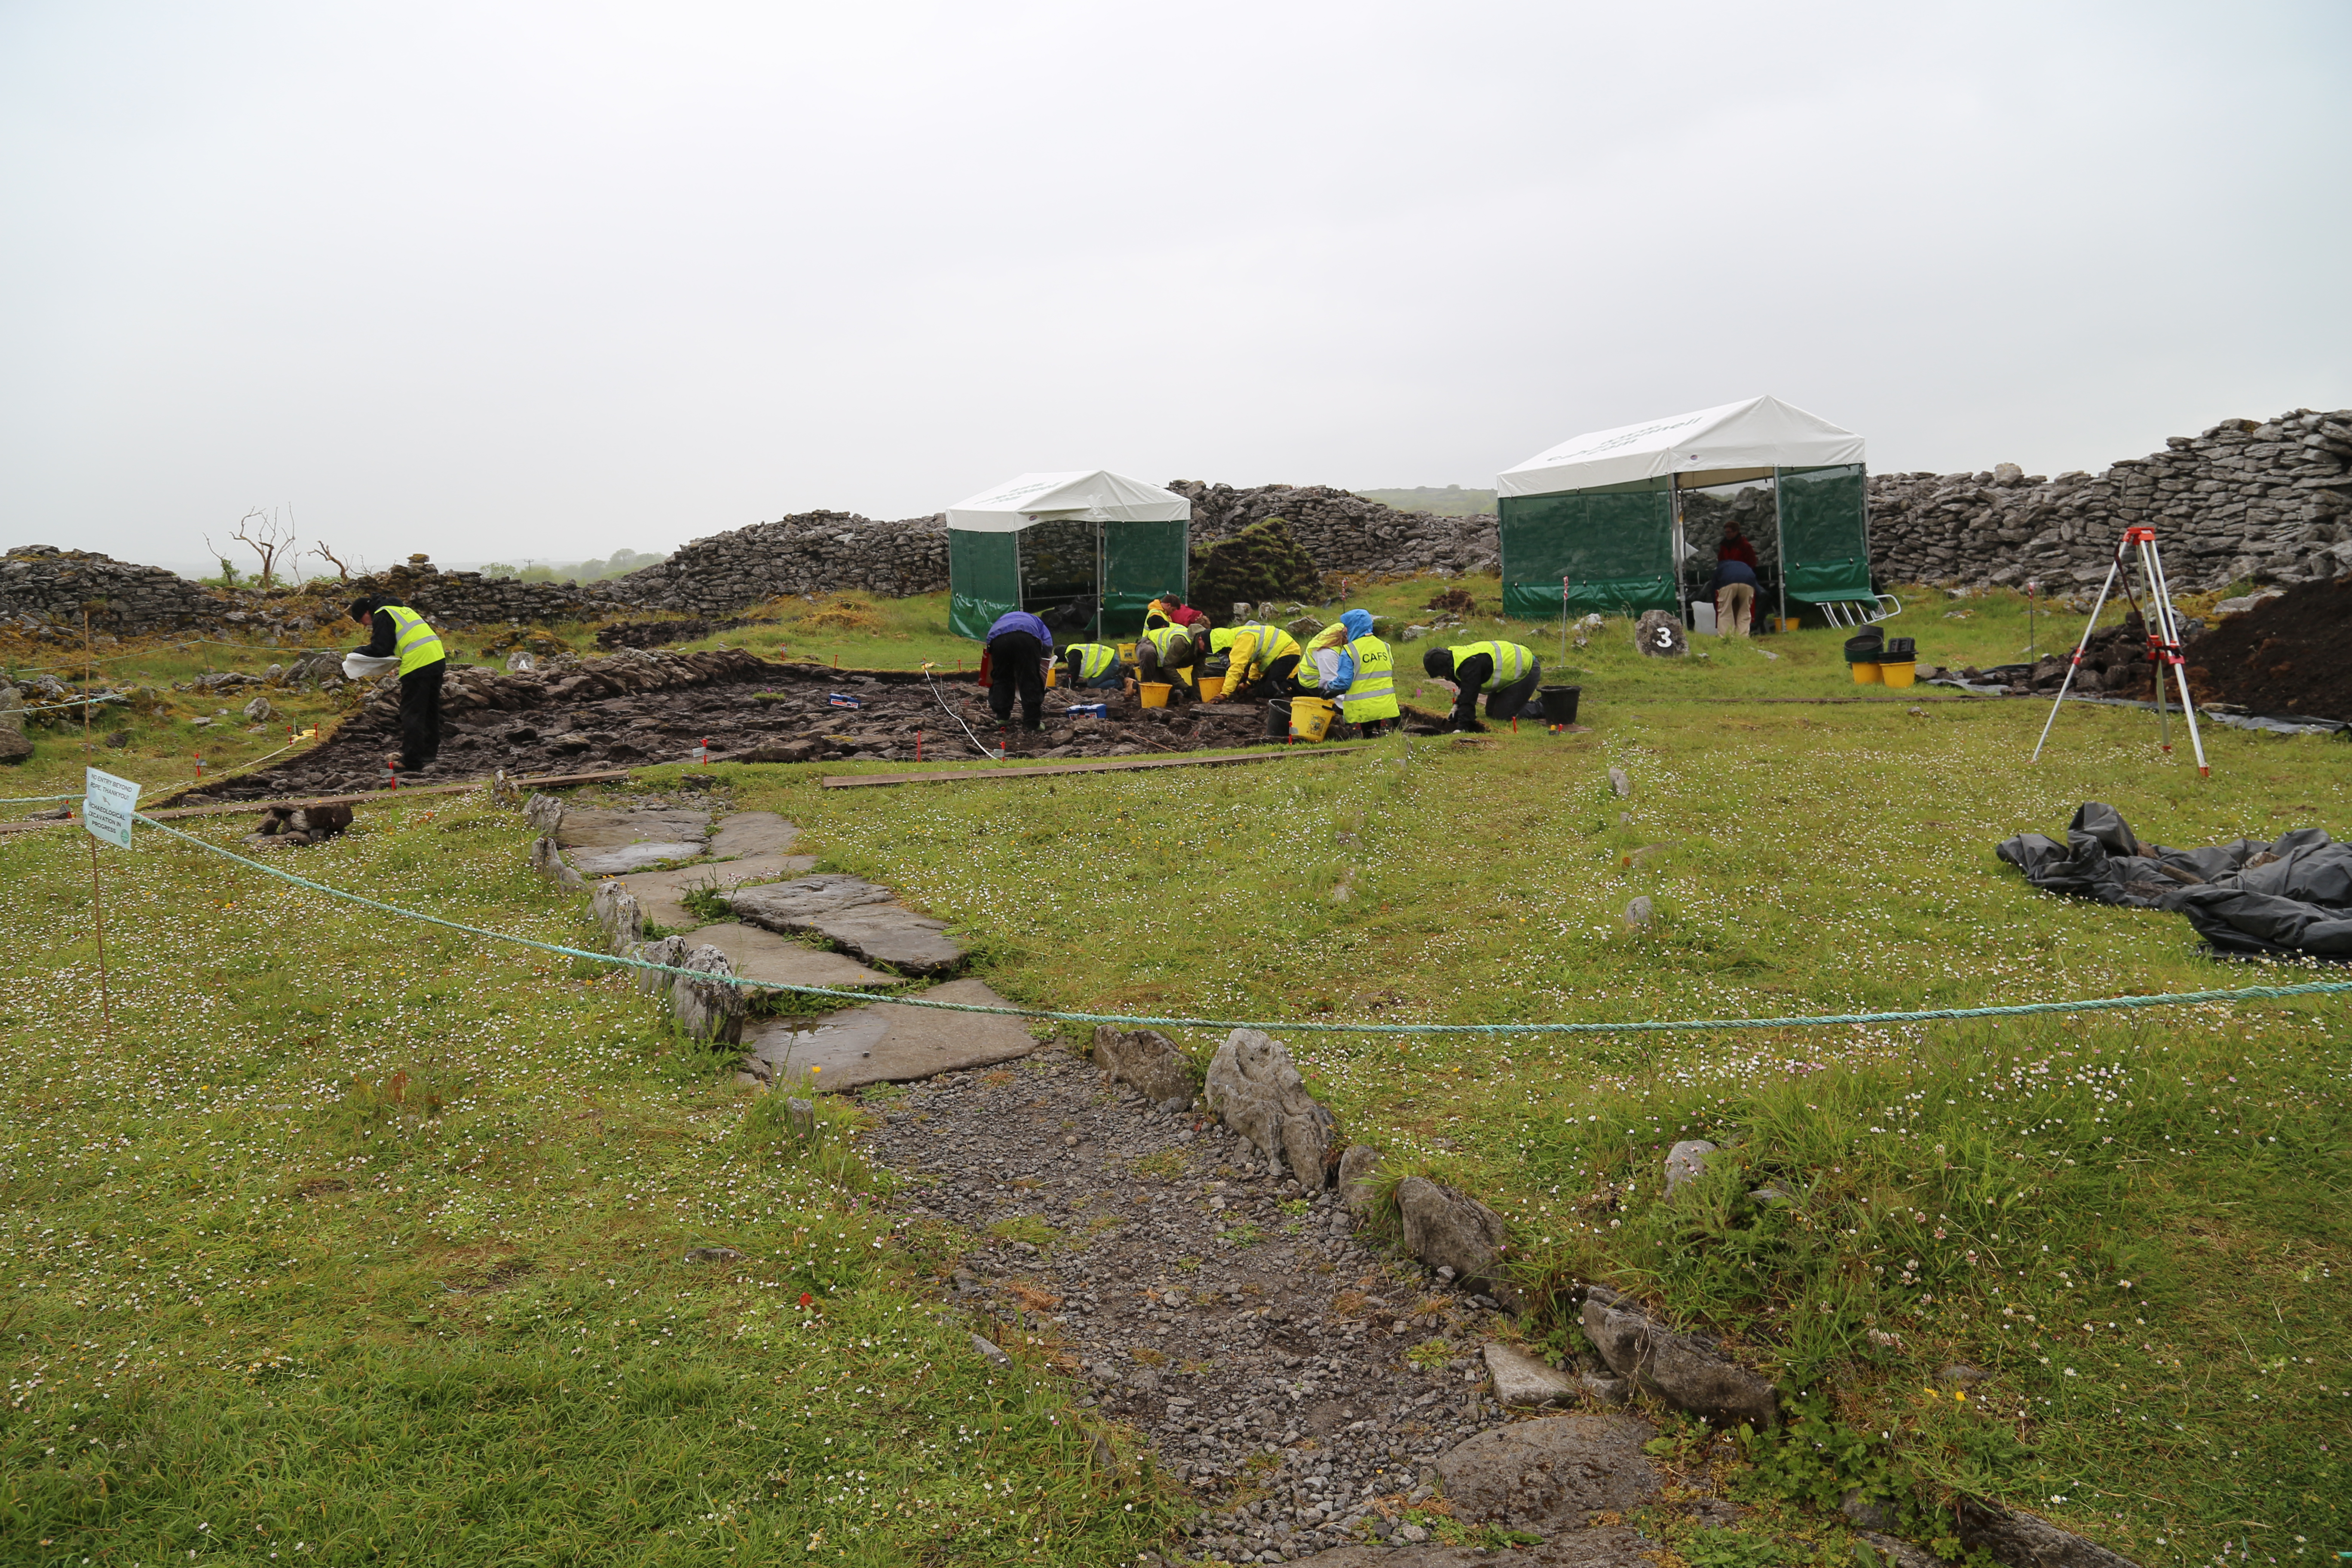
(1291, 1378)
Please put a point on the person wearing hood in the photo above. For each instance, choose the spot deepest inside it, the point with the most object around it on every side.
(1504, 672)
(1363, 676)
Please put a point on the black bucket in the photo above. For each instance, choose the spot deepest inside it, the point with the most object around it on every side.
(1864, 649)
(1900, 647)
(1559, 704)
(1277, 718)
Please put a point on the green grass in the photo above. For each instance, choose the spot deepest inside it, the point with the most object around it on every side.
(363, 1245)
(1804, 859)
(439, 1352)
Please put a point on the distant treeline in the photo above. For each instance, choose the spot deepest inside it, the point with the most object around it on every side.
(1451, 502)
(620, 563)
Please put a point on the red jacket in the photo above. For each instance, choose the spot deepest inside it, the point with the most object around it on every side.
(1735, 550)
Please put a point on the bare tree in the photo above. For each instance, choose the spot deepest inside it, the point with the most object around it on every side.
(267, 535)
(342, 571)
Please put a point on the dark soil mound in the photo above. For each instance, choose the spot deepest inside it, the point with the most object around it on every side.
(2292, 655)
(1262, 562)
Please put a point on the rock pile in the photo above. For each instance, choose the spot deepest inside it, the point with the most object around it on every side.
(808, 552)
(283, 826)
(44, 590)
(1345, 532)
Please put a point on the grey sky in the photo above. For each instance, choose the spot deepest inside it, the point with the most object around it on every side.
(499, 280)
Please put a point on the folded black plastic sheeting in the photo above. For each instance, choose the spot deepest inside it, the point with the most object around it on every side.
(2290, 897)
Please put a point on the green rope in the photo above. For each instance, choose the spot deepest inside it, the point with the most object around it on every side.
(76, 702)
(31, 799)
(2099, 1004)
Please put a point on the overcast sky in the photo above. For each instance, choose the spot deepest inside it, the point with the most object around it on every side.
(498, 281)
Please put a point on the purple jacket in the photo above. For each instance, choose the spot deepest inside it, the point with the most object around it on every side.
(1023, 621)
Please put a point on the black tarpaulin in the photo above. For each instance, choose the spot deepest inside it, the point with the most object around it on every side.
(2290, 897)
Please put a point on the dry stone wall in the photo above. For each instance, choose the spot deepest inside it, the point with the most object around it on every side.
(2268, 502)
(2264, 501)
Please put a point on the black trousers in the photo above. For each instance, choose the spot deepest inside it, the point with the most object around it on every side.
(1016, 662)
(420, 714)
(1279, 681)
(1505, 705)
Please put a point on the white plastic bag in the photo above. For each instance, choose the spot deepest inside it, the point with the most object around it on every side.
(367, 667)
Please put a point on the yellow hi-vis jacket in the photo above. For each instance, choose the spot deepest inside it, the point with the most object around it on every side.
(414, 644)
(1255, 646)
(1372, 693)
(1511, 661)
(1165, 637)
(1094, 658)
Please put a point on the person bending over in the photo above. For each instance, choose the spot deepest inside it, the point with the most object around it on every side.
(1735, 597)
(1163, 656)
(399, 632)
(1019, 646)
(1504, 672)
(1263, 663)
(1093, 667)
(1364, 679)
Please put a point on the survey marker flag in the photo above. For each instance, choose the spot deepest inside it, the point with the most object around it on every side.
(107, 807)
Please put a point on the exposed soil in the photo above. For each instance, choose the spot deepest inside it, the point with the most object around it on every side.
(642, 708)
(1205, 1301)
(2291, 655)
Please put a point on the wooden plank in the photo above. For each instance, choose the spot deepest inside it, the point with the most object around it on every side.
(1112, 766)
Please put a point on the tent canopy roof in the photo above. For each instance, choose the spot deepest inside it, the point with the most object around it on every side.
(1709, 446)
(1100, 495)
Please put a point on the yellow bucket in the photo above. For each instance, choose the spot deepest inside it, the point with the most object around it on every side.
(1310, 718)
(1211, 688)
(1867, 674)
(1127, 652)
(1898, 674)
(1155, 693)
(1053, 676)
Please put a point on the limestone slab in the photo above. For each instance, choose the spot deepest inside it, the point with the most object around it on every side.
(858, 915)
(661, 892)
(1556, 1471)
(602, 841)
(753, 833)
(760, 954)
(890, 1042)
(1521, 1379)
(1610, 1546)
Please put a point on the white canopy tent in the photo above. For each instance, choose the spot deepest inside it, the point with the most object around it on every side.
(1043, 540)
(1596, 522)
(1098, 497)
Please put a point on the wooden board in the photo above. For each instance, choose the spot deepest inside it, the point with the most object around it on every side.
(1110, 766)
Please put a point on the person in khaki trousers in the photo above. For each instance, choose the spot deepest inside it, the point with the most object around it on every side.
(1735, 597)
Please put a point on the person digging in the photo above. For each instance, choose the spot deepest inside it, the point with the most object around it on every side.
(1504, 673)
(1163, 655)
(1019, 648)
(401, 634)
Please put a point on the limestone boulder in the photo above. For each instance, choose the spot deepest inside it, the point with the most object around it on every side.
(1521, 1380)
(1686, 1161)
(1687, 1371)
(707, 1009)
(1256, 1089)
(619, 917)
(1659, 634)
(1147, 1059)
(1449, 1229)
(543, 811)
(2021, 1541)
(1358, 1167)
(670, 951)
(1552, 1473)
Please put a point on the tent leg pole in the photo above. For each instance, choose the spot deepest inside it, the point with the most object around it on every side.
(1781, 549)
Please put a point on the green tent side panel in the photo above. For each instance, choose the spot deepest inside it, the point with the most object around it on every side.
(1614, 545)
(983, 581)
(1141, 561)
(1825, 534)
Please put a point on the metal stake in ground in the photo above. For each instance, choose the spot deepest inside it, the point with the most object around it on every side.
(2163, 637)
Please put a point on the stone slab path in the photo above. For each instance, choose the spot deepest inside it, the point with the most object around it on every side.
(888, 1043)
(605, 841)
(861, 916)
(760, 954)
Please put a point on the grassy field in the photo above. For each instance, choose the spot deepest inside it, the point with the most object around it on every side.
(363, 1243)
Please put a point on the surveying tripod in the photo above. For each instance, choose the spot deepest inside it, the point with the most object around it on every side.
(2163, 638)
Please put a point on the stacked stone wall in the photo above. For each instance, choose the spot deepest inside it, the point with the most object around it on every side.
(2246, 500)
(2267, 501)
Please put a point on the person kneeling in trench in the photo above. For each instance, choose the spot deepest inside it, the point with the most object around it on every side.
(1164, 654)
(1504, 672)
(1093, 667)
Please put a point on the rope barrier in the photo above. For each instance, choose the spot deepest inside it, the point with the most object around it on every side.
(2015, 1010)
(36, 799)
(76, 702)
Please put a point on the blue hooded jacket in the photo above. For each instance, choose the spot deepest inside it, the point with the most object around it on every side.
(1358, 624)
